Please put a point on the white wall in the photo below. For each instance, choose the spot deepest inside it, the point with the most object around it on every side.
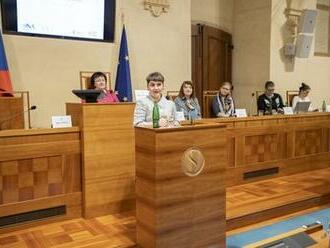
(251, 54)
(49, 68)
(289, 74)
(216, 13)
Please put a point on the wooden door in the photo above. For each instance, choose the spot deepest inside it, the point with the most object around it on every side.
(211, 58)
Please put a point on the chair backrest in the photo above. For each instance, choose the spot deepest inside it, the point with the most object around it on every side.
(171, 95)
(259, 93)
(208, 96)
(85, 79)
(290, 94)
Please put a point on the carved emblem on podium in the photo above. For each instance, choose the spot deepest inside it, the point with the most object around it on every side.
(192, 162)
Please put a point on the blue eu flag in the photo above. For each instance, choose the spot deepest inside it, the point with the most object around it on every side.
(123, 78)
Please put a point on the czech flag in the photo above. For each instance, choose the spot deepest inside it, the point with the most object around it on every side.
(5, 82)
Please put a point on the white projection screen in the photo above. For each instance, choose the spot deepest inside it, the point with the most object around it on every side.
(81, 19)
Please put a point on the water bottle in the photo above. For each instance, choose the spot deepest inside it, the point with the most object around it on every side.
(324, 106)
(155, 116)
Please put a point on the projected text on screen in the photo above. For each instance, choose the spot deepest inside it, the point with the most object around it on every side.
(73, 18)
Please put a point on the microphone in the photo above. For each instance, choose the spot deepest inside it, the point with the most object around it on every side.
(33, 107)
(251, 103)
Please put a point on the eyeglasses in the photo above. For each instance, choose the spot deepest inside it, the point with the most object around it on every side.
(224, 88)
(100, 79)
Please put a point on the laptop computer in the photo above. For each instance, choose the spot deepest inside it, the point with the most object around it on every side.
(302, 107)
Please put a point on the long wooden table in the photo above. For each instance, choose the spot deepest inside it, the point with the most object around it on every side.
(271, 146)
(257, 148)
(40, 169)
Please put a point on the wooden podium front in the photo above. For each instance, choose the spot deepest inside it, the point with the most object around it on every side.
(107, 136)
(180, 191)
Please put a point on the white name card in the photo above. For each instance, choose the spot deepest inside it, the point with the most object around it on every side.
(61, 121)
(328, 108)
(179, 116)
(288, 110)
(240, 112)
(139, 94)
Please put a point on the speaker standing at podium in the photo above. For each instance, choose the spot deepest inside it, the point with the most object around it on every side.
(144, 107)
(270, 103)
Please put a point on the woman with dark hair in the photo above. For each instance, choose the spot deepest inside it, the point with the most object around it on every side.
(99, 82)
(304, 90)
(270, 102)
(223, 102)
(187, 102)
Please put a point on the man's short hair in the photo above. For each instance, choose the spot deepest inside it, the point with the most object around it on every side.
(156, 77)
(269, 84)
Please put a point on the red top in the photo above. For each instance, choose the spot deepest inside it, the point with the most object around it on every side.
(107, 97)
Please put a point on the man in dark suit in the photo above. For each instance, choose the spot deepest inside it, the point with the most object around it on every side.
(270, 102)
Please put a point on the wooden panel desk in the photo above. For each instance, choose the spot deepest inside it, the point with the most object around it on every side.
(180, 196)
(11, 113)
(108, 156)
(268, 146)
(40, 169)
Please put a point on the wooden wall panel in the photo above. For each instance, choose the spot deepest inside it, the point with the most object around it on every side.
(173, 209)
(275, 141)
(308, 142)
(260, 148)
(38, 166)
(11, 113)
(108, 156)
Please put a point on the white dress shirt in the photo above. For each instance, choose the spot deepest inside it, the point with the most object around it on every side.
(298, 99)
(144, 107)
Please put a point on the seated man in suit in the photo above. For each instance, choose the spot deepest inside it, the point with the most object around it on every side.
(270, 103)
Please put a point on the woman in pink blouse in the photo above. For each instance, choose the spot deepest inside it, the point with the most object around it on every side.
(99, 82)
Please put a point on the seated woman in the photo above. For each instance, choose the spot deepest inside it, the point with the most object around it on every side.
(187, 102)
(304, 90)
(223, 103)
(270, 103)
(99, 82)
(144, 107)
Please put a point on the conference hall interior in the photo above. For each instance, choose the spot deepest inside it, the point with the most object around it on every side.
(165, 123)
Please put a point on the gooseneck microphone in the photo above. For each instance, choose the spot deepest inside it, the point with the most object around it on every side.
(251, 103)
(33, 107)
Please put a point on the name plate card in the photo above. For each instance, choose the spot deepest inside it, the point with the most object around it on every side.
(240, 112)
(61, 121)
(179, 116)
(288, 110)
(328, 108)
